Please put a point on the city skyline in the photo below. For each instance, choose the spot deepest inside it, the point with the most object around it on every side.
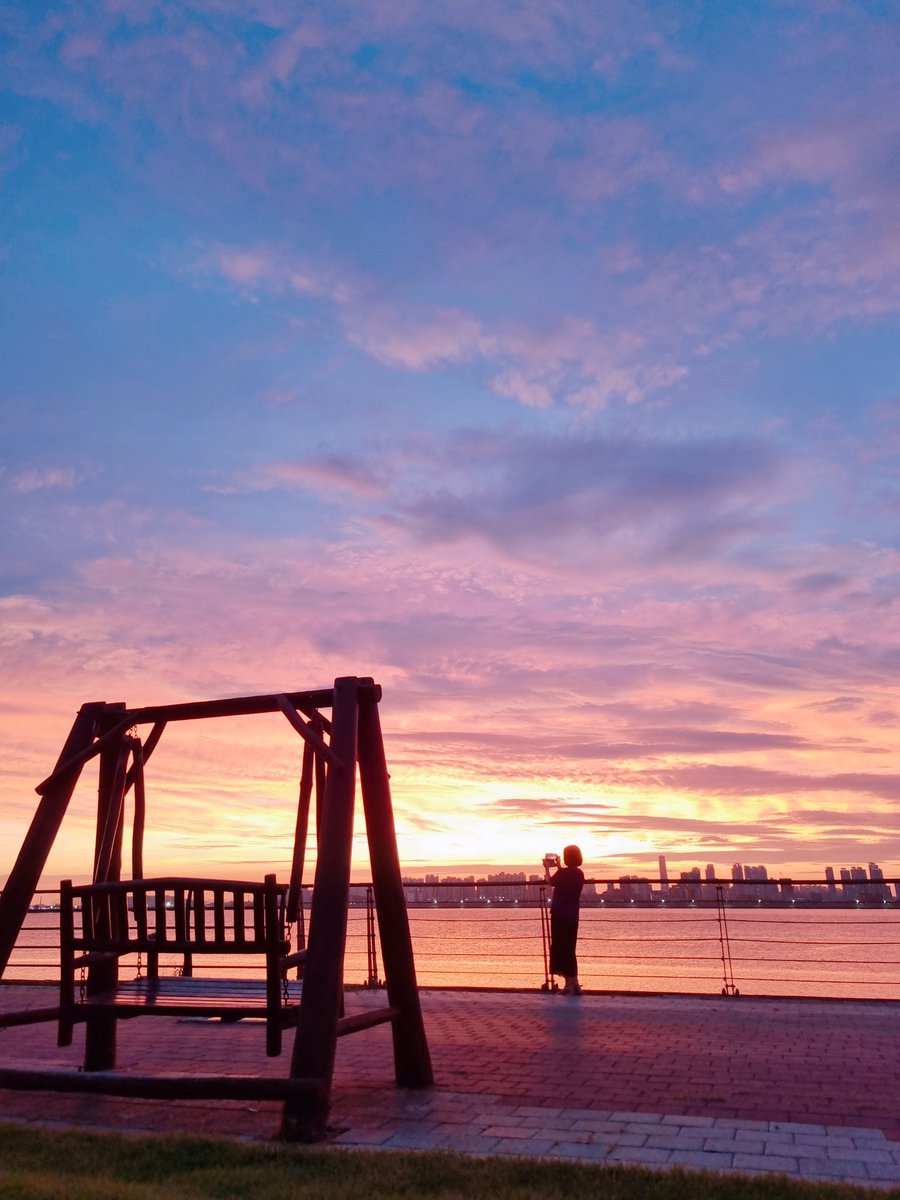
(733, 874)
(749, 884)
(539, 361)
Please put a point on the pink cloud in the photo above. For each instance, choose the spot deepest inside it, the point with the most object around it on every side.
(38, 478)
(335, 474)
(447, 336)
(565, 360)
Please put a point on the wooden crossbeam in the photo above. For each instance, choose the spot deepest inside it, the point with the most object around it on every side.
(240, 706)
(307, 732)
(78, 760)
(159, 1087)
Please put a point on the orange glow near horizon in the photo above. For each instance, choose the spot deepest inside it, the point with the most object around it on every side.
(222, 800)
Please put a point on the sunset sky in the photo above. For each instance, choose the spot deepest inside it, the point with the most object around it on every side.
(538, 358)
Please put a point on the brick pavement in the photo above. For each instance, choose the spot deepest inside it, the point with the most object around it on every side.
(800, 1086)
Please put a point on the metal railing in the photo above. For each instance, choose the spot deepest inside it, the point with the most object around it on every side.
(493, 936)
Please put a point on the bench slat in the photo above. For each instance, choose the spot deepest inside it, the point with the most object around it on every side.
(192, 994)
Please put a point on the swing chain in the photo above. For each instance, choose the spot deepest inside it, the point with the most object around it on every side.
(81, 985)
(140, 964)
(285, 991)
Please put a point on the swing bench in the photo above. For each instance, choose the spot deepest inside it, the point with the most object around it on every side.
(102, 923)
(222, 921)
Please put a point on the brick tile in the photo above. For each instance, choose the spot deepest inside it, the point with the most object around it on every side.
(644, 1155)
(840, 1154)
(628, 1139)
(817, 1168)
(511, 1131)
(765, 1162)
(676, 1139)
(363, 1137)
(470, 1143)
(594, 1152)
(644, 1118)
(527, 1147)
(412, 1139)
(738, 1126)
(644, 1128)
(796, 1127)
(732, 1145)
(883, 1173)
(690, 1122)
(561, 1122)
(702, 1160)
(610, 1127)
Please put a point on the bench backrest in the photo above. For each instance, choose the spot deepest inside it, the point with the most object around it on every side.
(175, 915)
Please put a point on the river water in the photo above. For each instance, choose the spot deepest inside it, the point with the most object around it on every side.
(847, 953)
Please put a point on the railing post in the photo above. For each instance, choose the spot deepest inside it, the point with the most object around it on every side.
(728, 988)
(372, 979)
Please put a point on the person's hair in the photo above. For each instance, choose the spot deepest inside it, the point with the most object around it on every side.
(572, 856)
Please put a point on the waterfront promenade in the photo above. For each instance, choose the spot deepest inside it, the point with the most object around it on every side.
(804, 1087)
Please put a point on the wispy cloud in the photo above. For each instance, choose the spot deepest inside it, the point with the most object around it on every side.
(37, 479)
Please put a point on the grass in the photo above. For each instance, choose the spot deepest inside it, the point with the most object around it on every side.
(37, 1164)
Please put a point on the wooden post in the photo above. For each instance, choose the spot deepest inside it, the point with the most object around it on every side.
(140, 809)
(111, 812)
(100, 1036)
(306, 1114)
(274, 951)
(301, 830)
(26, 872)
(149, 746)
(66, 959)
(412, 1060)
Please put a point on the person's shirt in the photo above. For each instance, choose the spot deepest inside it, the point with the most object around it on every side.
(567, 883)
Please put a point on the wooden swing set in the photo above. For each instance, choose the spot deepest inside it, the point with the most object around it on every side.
(112, 917)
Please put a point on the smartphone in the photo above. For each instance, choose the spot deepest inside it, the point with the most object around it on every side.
(551, 860)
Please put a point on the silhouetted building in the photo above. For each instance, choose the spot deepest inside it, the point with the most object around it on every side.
(633, 887)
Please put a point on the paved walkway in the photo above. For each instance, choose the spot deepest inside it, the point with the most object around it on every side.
(797, 1086)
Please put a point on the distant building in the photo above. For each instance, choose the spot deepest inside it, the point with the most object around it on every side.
(663, 876)
(688, 886)
(633, 887)
(878, 889)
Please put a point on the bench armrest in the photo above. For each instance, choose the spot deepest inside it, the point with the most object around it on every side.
(95, 958)
(292, 960)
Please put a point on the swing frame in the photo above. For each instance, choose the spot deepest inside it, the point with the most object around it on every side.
(333, 748)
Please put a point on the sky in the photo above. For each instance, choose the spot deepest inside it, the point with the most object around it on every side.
(537, 358)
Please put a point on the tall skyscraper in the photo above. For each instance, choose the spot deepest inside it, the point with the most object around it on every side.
(663, 876)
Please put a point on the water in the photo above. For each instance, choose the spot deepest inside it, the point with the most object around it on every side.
(842, 953)
(777, 952)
